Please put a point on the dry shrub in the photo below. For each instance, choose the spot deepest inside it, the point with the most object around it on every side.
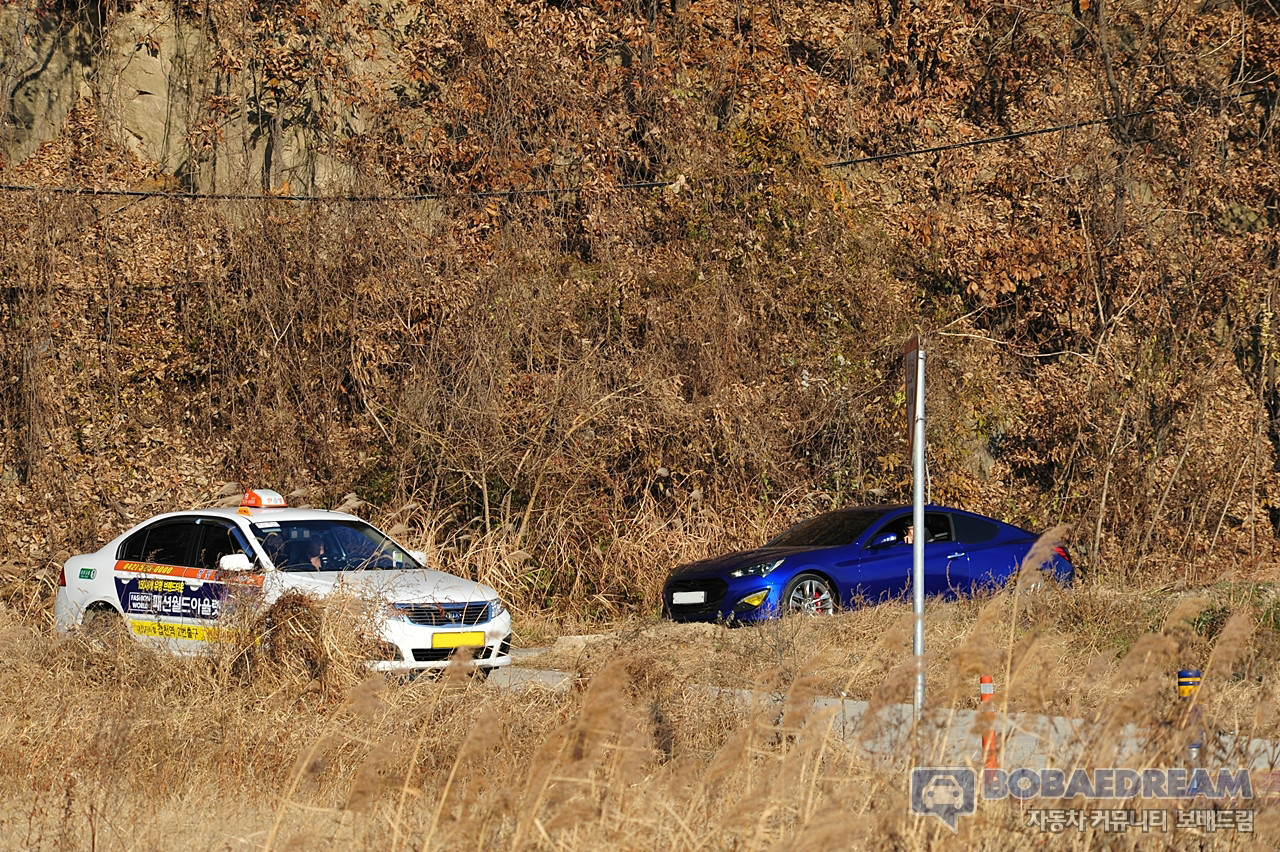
(1181, 625)
(291, 632)
(437, 765)
(979, 653)
(597, 383)
(377, 774)
(1030, 572)
(29, 593)
(1233, 645)
(320, 644)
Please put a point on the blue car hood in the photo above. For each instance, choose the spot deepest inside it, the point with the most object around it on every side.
(720, 565)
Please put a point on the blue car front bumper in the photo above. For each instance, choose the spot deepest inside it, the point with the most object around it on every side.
(713, 599)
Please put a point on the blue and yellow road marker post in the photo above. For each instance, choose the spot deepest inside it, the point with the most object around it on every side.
(1188, 687)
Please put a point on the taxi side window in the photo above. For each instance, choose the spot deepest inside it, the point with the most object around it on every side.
(134, 547)
(162, 544)
(216, 543)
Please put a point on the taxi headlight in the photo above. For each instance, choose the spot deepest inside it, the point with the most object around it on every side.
(381, 650)
(390, 652)
(496, 607)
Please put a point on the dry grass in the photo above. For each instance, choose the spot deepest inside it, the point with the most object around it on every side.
(289, 745)
(1074, 653)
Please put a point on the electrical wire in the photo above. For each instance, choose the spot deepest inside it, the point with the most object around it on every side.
(564, 190)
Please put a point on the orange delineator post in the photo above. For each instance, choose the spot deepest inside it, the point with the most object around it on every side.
(990, 759)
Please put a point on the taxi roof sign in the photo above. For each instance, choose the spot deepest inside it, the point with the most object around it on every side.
(263, 498)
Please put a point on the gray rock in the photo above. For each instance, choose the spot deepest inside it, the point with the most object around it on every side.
(978, 460)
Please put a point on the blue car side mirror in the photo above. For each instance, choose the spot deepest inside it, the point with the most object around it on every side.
(884, 540)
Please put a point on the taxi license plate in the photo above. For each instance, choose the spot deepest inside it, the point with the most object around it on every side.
(688, 597)
(457, 640)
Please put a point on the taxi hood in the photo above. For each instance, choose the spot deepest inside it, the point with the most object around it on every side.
(409, 586)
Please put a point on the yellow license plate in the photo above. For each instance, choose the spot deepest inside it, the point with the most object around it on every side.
(457, 640)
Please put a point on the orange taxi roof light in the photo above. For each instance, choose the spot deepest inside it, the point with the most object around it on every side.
(263, 498)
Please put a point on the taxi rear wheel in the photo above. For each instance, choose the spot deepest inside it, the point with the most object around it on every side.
(103, 626)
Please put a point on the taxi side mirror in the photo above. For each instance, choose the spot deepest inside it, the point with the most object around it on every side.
(419, 556)
(236, 563)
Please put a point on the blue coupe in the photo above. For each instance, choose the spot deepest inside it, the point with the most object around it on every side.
(853, 557)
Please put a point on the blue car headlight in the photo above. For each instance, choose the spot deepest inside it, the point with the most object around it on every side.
(761, 569)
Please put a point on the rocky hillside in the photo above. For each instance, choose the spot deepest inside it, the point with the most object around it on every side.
(568, 291)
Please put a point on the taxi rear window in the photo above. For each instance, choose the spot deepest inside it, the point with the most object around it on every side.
(166, 543)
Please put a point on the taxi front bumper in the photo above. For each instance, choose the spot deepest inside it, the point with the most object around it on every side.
(415, 647)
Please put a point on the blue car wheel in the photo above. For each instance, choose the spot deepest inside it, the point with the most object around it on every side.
(809, 594)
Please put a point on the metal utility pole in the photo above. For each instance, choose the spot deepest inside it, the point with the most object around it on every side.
(913, 362)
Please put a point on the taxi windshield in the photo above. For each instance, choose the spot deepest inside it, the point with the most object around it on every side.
(325, 545)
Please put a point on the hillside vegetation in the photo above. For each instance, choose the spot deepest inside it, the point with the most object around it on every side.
(565, 293)
(563, 382)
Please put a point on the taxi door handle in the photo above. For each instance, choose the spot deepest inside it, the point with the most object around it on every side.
(955, 555)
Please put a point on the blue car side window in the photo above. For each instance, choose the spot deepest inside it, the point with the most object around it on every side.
(937, 527)
(896, 527)
(974, 530)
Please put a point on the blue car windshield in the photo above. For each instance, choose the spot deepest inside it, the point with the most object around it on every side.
(325, 545)
(833, 529)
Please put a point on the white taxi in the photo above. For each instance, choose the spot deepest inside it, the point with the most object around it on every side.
(169, 579)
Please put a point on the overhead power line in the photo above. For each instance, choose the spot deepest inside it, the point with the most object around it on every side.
(238, 196)
(563, 190)
(986, 140)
